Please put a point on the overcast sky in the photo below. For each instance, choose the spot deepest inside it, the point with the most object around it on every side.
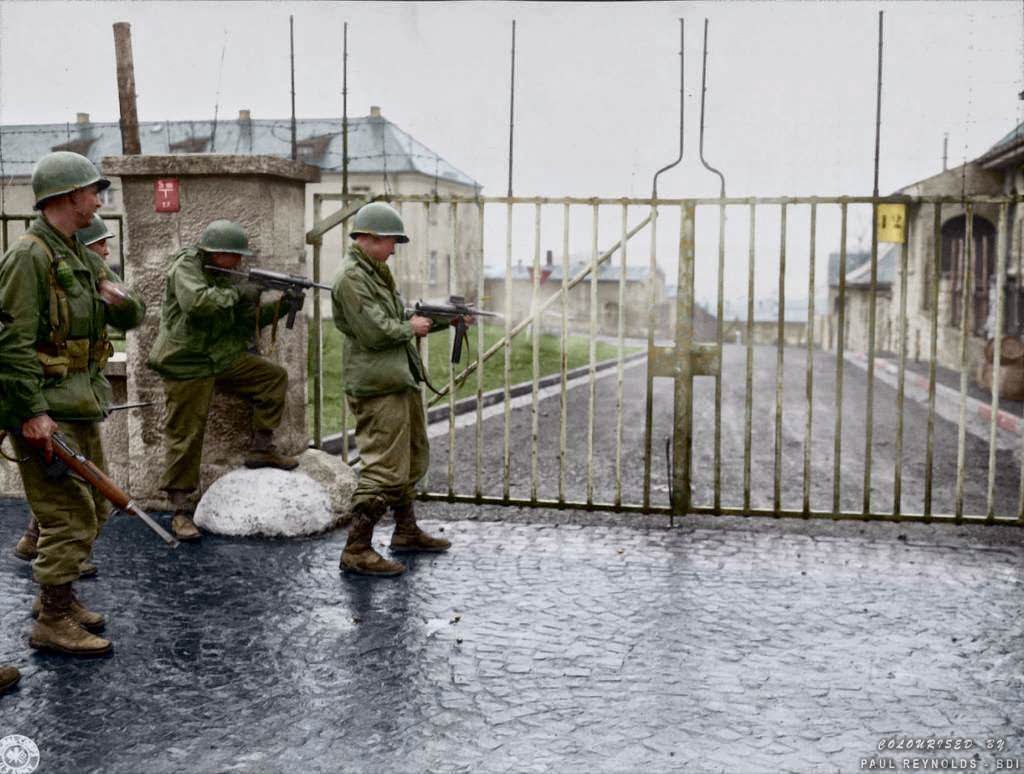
(791, 101)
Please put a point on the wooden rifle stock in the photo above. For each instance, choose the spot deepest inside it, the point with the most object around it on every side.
(85, 469)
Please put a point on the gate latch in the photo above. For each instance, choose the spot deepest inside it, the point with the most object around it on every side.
(705, 360)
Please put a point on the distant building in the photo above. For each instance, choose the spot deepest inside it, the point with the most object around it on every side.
(765, 328)
(857, 297)
(382, 159)
(639, 286)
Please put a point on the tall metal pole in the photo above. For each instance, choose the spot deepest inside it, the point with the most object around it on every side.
(512, 108)
(872, 312)
(291, 33)
(130, 144)
(344, 119)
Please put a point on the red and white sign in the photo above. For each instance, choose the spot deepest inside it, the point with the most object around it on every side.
(166, 195)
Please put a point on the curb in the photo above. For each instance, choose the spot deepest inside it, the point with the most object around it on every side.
(947, 402)
(332, 443)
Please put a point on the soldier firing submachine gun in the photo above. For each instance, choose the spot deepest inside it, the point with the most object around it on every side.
(455, 310)
(291, 285)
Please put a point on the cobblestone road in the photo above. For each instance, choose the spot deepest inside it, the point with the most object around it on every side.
(722, 645)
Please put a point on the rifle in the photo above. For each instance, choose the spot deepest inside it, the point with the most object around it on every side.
(292, 285)
(70, 460)
(456, 309)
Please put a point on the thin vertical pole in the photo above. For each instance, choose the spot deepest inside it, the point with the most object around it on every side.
(649, 371)
(780, 361)
(897, 495)
(748, 419)
(452, 268)
(511, 108)
(810, 361)
(837, 454)
(592, 376)
(344, 118)
(619, 394)
(563, 403)
(478, 484)
(291, 37)
(507, 448)
(682, 437)
(318, 371)
(965, 321)
(535, 333)
(1001, 243)
(933, 356)
(869, 410)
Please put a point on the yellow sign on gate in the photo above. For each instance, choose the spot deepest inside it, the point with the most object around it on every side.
(892, 223)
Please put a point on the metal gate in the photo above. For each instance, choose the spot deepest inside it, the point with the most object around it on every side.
(976, 487)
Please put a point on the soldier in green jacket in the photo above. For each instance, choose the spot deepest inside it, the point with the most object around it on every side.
(52, 354)
(382, 373)
(206, 323)
(94, 236)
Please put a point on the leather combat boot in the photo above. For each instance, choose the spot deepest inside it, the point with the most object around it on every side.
(26, 547)
(56, 628)
(181, 523)
(359, 556)
(84, 617)
(409, 537)
(9, 677)
(263, 453)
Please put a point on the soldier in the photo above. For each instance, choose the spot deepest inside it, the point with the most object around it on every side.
(206, 323)
(382, 372)
(52, 354)
(94, 236)
(9, 676)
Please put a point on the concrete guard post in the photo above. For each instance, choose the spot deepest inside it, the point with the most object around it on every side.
(266, 196)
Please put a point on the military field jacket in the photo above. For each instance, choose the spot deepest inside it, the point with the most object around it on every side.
(80, 392)
(205, 323)
(380, 349)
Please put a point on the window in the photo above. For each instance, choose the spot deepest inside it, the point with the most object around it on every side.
(983, 265)
(432, 268)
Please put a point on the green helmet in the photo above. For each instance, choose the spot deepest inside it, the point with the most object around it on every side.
(379, 219)
(223, 236)
(94, 232)
(62, 172)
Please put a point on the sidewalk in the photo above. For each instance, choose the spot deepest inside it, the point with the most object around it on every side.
(1009, 422)
(724, 645)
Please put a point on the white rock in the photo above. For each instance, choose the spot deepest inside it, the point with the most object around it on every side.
(266, 501)
(331, 472)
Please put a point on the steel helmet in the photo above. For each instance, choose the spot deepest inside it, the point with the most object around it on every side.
(381, 220)
(224, 236)
(62, 172)
(94, 232)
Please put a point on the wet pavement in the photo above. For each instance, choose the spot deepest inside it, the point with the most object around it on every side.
(549, 642)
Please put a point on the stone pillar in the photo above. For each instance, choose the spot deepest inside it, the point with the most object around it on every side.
(264, 194)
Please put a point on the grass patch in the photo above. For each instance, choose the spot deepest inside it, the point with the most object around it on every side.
(521, 368)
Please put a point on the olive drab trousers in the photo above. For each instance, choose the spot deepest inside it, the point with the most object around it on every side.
(264, 383)
(391, 434)
(70, 512)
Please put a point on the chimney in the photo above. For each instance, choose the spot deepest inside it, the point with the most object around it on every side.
(374, 111)
(81, 118)
(550, 261)
(245, 115)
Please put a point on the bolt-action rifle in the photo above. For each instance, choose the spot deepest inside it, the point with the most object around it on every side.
(67, 460)
(292, 285)
(456, 309)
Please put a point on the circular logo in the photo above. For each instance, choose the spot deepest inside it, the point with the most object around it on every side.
(18, 755)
